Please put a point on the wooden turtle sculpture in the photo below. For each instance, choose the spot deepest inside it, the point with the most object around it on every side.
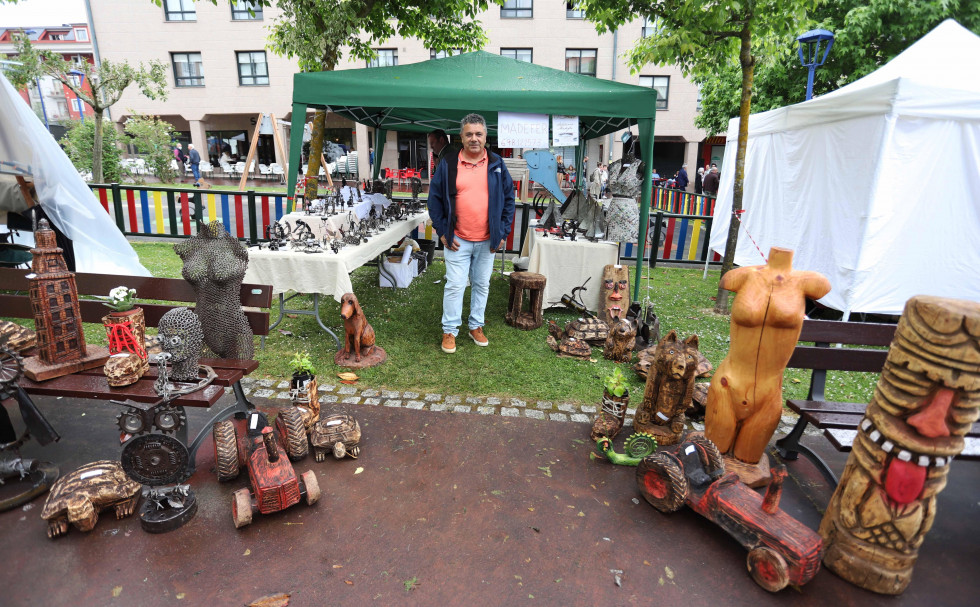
(565, 345)
(338, 433)
(591, 329)
(78, 497)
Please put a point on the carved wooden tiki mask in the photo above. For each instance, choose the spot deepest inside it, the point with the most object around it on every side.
(926, 399)
(614, 293)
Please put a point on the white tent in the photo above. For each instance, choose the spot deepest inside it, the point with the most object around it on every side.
(99, 245)
(875, 185)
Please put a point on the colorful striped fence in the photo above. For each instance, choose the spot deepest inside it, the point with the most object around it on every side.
(682, 203)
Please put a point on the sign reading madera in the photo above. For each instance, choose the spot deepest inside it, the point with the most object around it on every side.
(522, 130)
(564, 130)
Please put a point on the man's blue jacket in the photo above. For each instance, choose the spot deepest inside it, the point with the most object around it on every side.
(442, 197)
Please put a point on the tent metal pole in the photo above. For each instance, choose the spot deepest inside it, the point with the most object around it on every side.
(298, 118)
(646, 149)
(380, 137)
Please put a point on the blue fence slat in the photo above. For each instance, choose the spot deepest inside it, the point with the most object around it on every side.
(225, 214)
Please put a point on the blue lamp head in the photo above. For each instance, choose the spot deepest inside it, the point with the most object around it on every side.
(809, 47)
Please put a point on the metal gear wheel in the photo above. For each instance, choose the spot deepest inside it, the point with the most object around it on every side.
(11, 368)
(131, 421)
(169, 419)
(155, 459)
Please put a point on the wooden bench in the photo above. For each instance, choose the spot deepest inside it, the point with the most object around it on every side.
(838, 420)
(92, 384)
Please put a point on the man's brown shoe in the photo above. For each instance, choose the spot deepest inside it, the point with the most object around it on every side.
(448, 343)
(479, 337)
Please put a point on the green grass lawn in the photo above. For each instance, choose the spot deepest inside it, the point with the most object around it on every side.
(517, 363)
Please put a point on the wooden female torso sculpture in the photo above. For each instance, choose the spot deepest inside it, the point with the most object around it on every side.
(745, 397)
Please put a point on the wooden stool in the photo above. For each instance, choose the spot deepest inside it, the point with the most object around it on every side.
(534, 285)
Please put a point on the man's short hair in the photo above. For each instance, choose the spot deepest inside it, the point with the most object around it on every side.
(440, 134)
(473, 119)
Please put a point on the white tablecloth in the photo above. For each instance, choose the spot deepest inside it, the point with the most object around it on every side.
(327, 272)
(566, 264)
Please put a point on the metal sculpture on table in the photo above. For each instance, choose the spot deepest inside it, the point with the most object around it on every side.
(214, 264)
(181, 335)
(622, 214)
(359, 349)
(78, 497)
(669, 389)
(926, 400)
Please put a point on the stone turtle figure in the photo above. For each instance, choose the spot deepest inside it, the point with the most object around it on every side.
(78, 497)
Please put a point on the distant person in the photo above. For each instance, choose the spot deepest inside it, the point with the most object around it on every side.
(656, 175)
(605, 179)
(179, 154)
(195, 157)
(371, 157)
(561, 171)
(585, 165)
(711, 182)
(698, 180)
(439, 144)
(682, 179)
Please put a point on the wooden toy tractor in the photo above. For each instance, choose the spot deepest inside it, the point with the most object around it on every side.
(782, 550)
(275, 485)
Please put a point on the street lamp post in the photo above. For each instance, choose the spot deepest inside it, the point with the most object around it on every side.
(81, 82)
(809, 51)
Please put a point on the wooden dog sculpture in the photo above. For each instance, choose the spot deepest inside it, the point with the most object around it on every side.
(358, 337)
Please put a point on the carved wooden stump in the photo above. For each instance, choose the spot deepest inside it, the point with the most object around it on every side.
(669, 389)
(927, 398)
(534, 285)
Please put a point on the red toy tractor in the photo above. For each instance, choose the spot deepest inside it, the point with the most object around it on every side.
(276, 487)
(781, 549)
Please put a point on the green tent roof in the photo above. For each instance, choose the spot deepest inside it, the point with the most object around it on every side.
(438, 93)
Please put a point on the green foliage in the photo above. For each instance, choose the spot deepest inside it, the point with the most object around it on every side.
(79, 142)
(152, 138)
(615, 383)
(868, 34)
(302, 364)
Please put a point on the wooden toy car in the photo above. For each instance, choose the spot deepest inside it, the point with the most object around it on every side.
(781, 549)
(275, 485)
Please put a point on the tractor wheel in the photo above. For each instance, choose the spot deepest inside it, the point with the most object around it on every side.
(312, 487)
(293, 432)
(662, 482)
(711, 459)
(241, 508)
(768, 569)
(225, 450)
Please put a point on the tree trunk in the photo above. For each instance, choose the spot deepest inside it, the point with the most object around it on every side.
(97, 150)
(316, 150)
(748, 65)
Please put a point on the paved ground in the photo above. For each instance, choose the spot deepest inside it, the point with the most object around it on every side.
(443, 507)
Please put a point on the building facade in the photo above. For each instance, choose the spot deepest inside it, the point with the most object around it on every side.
(222, 76)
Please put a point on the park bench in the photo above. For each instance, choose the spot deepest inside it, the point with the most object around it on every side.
(838, 420)
(92, 384)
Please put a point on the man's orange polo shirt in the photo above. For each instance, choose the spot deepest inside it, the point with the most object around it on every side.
(472, 200)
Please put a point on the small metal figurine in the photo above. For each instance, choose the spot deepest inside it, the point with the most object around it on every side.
(180, 333)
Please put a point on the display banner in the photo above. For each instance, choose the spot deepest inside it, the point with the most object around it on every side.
(564, 130)
(522, 130)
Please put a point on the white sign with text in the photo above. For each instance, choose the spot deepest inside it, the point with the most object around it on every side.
(522, 130)
(564, 130)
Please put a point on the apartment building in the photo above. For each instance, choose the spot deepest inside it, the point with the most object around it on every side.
(51, 99)
(222, 76)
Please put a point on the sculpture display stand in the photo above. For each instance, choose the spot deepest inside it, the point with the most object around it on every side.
(61, 348)
(78, 497)
(614, 293)
(927, 397)
(533, 284)
(745, 398)
(669, 389)
(359, 350)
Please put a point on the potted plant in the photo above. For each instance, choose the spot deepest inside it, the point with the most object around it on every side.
(303, 387)
(615, 400)
(125, 326)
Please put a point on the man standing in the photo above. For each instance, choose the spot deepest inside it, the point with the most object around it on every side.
(471, 204)
(711, 182)
(439, 144)
(682, 179)
(195, 159)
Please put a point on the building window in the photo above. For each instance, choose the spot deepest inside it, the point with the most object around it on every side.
(661, 84)
(521, 54)
(180, 10)
(573, 12)
(443, 54)
(517, 9)
(580, 61)
(244, 10)
(651, 26)
(386, 58)
(188, 69)
(81, 34)
(252, 68)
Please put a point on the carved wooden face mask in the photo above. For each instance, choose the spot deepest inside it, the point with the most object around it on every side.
(614, 293)
(927, 398)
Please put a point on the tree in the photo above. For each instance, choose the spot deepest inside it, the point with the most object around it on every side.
(153, 138)
(107, 83)
(868, 34)
(319, 32)
(78, 143)
(698, 36)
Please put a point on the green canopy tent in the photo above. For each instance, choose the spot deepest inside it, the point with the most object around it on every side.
(436, 94)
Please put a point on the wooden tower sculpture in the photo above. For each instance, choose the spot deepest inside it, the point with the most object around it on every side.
(57, 318)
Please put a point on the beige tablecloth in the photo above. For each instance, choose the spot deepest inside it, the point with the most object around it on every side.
(566, 264)
(327, 272)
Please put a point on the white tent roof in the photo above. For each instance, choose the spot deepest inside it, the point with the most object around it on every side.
(875, 185)
(99, 245)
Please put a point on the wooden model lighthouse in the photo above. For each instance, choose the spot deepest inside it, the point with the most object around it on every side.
(57, 318)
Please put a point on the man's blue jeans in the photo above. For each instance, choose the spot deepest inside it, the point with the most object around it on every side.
(473, 260)
(196, 170)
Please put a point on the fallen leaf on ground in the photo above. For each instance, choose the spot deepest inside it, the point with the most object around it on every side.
(348, 582)
(546, 470)
(795, 381)
(348, 376)
(273, 600)
(116, 591)
(359, 470)
(348, 381)
(285, 332)
(338, 566)
(292, 316)
(247, 552)
(180, 596)
(669, 572)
